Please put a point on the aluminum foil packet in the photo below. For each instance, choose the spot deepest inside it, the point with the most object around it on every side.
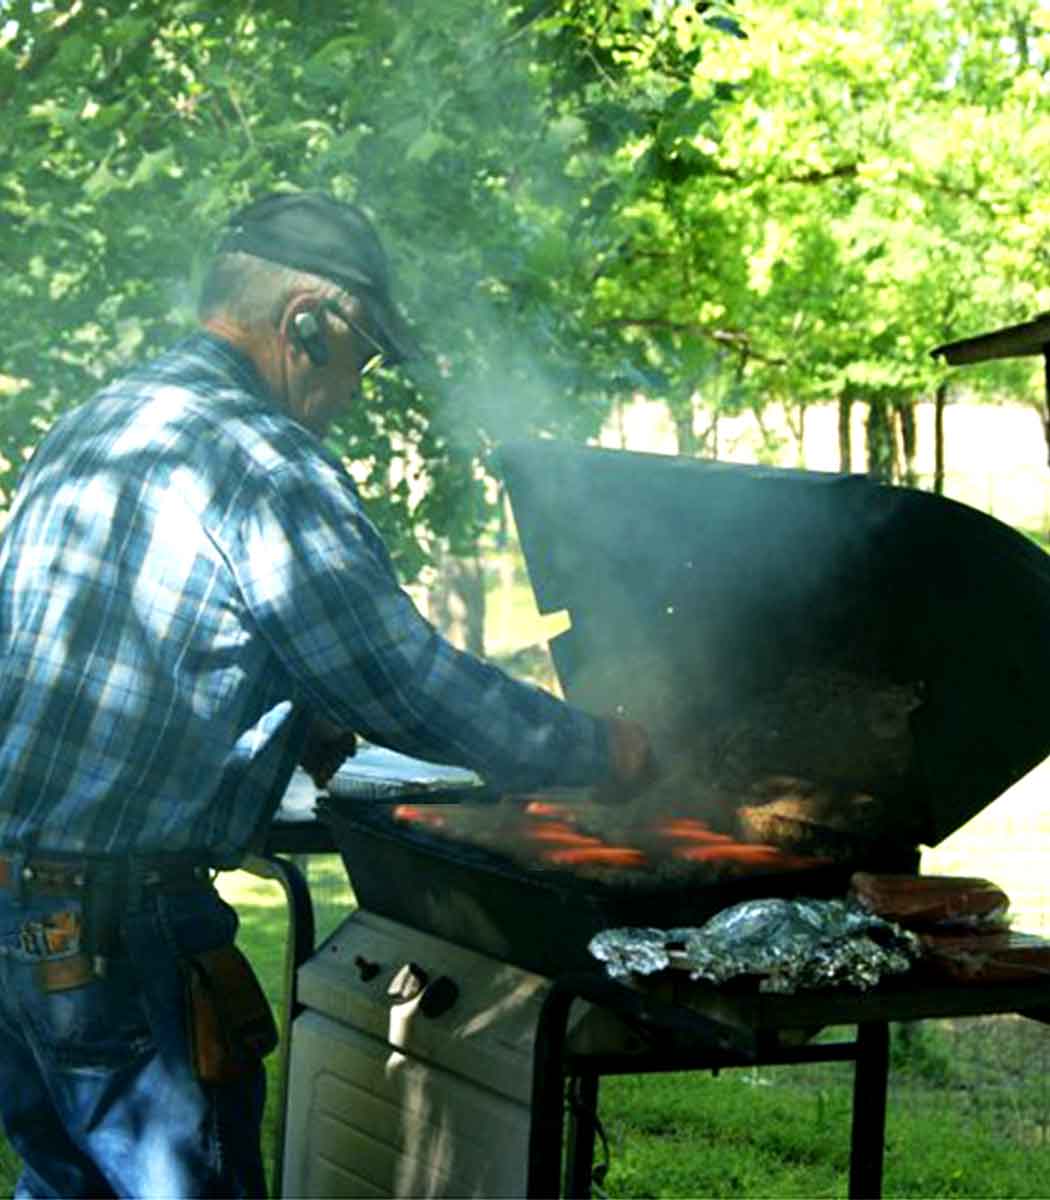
(632, 951)
(787, 945)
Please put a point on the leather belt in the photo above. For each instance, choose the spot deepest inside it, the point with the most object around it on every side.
(56, 877)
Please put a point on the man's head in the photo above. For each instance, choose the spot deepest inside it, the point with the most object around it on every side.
(300, 281)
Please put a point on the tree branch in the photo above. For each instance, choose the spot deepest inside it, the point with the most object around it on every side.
(735, 339)
(847, 170)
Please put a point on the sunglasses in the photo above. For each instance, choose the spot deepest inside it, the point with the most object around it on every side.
(374, 358)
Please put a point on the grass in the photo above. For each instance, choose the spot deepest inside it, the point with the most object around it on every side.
(967, 1117)
(968, 1107)
(263, 934)
(785, 1131)
(775, 1132)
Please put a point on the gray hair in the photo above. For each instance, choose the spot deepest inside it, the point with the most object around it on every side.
(255, 291)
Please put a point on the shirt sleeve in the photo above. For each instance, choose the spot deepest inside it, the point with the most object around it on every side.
(319, 584)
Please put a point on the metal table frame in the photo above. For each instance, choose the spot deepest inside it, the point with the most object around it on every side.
(720, 1029)
(739, 1029)
(271, 862)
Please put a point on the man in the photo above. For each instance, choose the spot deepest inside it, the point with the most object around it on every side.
(192, 600)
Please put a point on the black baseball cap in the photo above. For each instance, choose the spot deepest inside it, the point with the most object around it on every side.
(314, 232)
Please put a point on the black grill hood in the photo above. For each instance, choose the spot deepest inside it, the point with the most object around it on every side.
(694, 587)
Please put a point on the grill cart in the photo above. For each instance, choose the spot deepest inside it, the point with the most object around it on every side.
(836, 672)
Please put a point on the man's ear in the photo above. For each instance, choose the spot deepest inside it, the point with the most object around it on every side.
(304, 327)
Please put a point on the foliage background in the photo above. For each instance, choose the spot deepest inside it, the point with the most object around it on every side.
(729, 207)
(725, 207)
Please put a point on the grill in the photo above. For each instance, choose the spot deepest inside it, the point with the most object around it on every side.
(831, 666)
(489, 902)
(697, 591)
(834, 670)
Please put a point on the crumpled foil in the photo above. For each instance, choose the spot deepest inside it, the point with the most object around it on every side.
(631, 951)
(788, 945)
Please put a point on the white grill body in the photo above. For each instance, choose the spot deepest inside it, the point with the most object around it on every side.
(387, 1101)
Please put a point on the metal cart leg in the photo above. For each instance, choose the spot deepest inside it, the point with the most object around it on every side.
(868, 1136)
(583, 1124)
(298, 948)
(725, 1044)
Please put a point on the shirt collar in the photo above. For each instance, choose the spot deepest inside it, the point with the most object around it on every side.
(231, 361)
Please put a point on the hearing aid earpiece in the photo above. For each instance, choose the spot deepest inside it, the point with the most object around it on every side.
(309, 336)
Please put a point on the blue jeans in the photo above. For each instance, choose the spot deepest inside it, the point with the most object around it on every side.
(97, 1093)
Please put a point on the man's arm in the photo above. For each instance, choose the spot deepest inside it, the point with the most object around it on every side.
(318, 582)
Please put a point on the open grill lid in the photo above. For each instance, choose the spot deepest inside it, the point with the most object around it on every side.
(695, 588)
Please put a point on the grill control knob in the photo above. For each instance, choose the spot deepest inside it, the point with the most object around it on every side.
(366, 969)
(407, 983)
(438, 996)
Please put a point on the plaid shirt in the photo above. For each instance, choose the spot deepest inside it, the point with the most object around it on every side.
(185, 576)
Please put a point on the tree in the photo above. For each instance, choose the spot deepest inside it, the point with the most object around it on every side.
(134, 121)
(722, 205)
(872, 171)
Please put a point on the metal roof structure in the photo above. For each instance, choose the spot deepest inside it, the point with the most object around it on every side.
(1012, 341)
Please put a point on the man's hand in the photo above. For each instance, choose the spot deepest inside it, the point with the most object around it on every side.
(326, 748)
(631, 764)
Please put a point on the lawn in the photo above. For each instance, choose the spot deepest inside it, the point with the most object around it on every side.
(969, 1109)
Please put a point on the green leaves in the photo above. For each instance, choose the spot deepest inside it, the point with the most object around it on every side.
(582, 200)
(423, 148)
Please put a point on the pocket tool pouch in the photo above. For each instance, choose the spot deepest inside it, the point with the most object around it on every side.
(57, 942)
(230, 1022)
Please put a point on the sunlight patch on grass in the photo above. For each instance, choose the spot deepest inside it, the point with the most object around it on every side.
(241, 887)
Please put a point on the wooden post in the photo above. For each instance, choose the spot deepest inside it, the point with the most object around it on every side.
(1030, 338)
(940, 401)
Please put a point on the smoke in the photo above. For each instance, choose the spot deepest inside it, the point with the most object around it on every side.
(489, 229)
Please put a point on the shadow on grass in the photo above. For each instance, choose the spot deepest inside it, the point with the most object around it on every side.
(263, 936)
(760, 1134)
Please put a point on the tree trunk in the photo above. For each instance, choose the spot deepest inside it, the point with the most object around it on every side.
(470, 585)
(707, 441)
(881, 442)
(845, 431)
(457, 601)
(940, 401)
(795, 415)
(619, 406)
(685, 431)
(905, 414)
(1046, 400)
